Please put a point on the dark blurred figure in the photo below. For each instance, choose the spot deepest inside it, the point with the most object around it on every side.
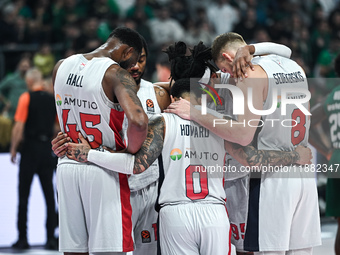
(33, 130)
(102, 9)
(320, 39)
(223, 16)
(40, 26)
(12, 86)
(164, 29)
(334, 20)
(7, 25)
(248, 25)
(140, 6)
(88, 39)
(179, 11)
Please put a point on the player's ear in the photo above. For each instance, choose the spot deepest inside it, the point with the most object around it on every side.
(213, 75)
(227, 57)
(127, 52)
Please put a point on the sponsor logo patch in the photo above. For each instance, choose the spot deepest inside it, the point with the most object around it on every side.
(145, 234)
(150, 106)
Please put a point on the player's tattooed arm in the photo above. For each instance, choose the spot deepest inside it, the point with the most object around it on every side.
(149, 152)
(128, 83)
(250, 156)
(124, 89)
(152, 146)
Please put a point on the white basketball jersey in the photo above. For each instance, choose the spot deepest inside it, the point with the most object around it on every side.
(82, 105)
(147, 96)
(193, 163)
(283, 132)
(226, 108)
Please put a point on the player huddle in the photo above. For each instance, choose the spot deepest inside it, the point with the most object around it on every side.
(151, 187)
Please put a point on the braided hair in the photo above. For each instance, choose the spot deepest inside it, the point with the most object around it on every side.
(192, 66)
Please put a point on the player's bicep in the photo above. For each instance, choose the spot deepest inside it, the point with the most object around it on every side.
(163, 98)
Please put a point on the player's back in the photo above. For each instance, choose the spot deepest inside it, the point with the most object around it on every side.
(286, 79)
(192, 162)
(82, 105)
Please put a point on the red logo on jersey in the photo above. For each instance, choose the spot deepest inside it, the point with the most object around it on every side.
(150, 106)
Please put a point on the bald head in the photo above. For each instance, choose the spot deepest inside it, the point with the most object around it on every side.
(33, 77)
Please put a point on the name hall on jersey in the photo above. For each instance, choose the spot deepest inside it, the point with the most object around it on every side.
(74, 80)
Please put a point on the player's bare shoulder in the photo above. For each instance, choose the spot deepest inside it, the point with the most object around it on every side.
(162, 96)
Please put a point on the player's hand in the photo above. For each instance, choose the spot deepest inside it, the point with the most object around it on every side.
(78, 151)
(305, 155)
(242, 63)
(180, 108)
(59, 144)
(13, 157)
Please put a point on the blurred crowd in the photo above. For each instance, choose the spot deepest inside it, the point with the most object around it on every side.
(40, 32)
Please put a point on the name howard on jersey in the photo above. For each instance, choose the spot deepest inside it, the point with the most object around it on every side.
(194, 131)
(288, 77)
(74, 80)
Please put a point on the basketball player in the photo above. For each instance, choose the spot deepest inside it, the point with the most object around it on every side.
(236, 182)
(329, 110)
(96, 97)
(193, 218)
(277, 222)
(145, 194)
(144, 186)
(178, 234)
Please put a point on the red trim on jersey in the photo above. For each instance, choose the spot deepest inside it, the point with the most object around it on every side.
(116, 124)
(226, 208)
(229, 241)
(223, 183)
(126, 213)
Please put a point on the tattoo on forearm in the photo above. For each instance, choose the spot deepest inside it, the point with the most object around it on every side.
(129, 83)
(256, 157)
(152, 146)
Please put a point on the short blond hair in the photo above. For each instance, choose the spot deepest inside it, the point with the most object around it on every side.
(229, 41)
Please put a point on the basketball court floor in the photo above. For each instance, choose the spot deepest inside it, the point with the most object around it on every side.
(328, 235)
